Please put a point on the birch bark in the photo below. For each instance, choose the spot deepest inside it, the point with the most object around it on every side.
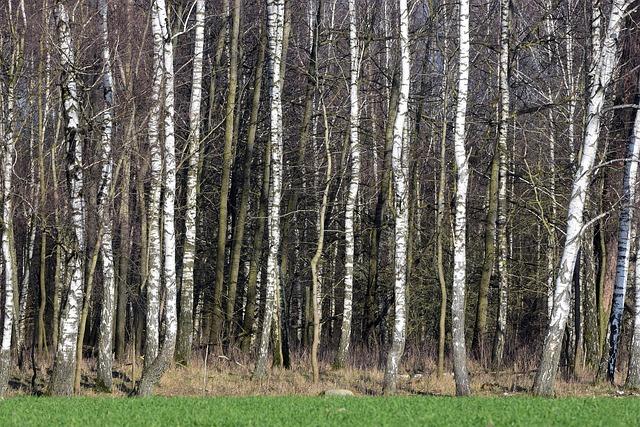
(354, 183)
(105, 212)
(605, 62)
(10, 276)
(625, 225)
(275, 28)
(459, 236)
(8, 132)
(153, 371)
(633, 374)
(63, 373)
(155, 177)
(185, 326)
(503, 247)
(400, 166)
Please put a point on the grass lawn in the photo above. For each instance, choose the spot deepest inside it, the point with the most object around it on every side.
(316, 411)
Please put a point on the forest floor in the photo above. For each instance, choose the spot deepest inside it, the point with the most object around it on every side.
(231, 376)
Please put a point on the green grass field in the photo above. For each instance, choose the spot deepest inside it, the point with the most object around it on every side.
(318, 411)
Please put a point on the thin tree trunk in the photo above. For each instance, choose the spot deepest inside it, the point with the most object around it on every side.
(633, 374)
(400, 165)
(25, 294)
(8, 254)
(589, 276)
(60, 270)
(124, 256)
(503, 245)
(370, 319)
(227, 159)
(145, 256)
(90, 275)
(625, 225)
(155, 177)
(440, 209)
(105, 215)
(256, 256)
(480, 329)
(43, 111)
(281, 354)
(442, 183)
(185, 325)
(459, 240)
(8, 137)
(241, 221)
(207, 295)
(315, 277)
(275, 27)
(354, 183)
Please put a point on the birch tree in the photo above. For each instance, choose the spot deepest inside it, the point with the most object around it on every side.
(625, 225)
(62, 376)
(9, 274)
(185, 326)
(155, 187)
(633, 374)
(503, 127)
(275, 34)
(604, 65)
(8, 130)
(459, 235)
(354, 183)
(105, 213)
(400, 166)
(10, 277)
(153, 371)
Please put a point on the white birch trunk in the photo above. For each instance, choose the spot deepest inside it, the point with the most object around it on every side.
(552, 239)
(459, 236)
(105, 212)
(8, 156)
(503, 247)
(275, 28)
(625, 225)
(185, 330)
(545, 377)
(354, 183)
(596, 43)
(8, 131)
(64, 363)
(155, 175)
(633, 374)
(169, 233)
(154, 371)
(400, 166)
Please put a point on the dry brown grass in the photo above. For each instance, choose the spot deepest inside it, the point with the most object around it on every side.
(230, 375)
